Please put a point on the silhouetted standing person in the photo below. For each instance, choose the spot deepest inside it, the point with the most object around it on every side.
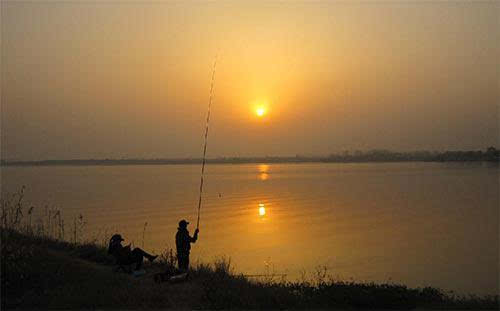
(183, 242)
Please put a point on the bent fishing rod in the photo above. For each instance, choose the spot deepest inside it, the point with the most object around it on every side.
(206, 140)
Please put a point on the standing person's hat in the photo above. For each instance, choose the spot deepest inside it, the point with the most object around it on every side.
(183, 223)
(117, 237)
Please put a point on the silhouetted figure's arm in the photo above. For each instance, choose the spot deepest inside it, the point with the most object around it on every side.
(195, 236)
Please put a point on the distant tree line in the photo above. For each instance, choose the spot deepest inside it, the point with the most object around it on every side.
(491, 154)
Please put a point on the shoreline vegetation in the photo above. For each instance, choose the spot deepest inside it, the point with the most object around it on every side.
(45, 266)
(491, 154)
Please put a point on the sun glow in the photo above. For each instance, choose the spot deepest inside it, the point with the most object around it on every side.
(260, 107)
(260, 111)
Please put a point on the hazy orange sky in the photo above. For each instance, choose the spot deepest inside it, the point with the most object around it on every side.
(112, 79)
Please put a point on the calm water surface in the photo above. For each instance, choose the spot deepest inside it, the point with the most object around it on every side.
(416, 223)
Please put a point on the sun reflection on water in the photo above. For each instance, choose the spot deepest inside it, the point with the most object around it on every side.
(263, 168)
(263, 171)
(262, 209)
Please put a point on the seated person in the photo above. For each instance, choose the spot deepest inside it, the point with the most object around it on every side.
(124, 255)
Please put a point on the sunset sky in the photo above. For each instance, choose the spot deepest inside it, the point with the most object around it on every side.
(113, 79)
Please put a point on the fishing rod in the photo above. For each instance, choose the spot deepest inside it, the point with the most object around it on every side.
(264, 275)
(206, 139)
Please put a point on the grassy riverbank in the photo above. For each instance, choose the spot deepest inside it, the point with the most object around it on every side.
(41, 269)
(46, 273)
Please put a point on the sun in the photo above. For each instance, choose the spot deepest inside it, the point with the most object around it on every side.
(260, 111)
(260, 108)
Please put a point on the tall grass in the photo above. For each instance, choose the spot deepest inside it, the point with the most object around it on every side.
(17, 216)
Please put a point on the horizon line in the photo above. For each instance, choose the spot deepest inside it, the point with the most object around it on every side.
(374, 155)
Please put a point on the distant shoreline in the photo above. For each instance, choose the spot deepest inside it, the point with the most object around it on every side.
(376, 156)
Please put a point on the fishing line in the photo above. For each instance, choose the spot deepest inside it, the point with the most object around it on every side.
(206, 139)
